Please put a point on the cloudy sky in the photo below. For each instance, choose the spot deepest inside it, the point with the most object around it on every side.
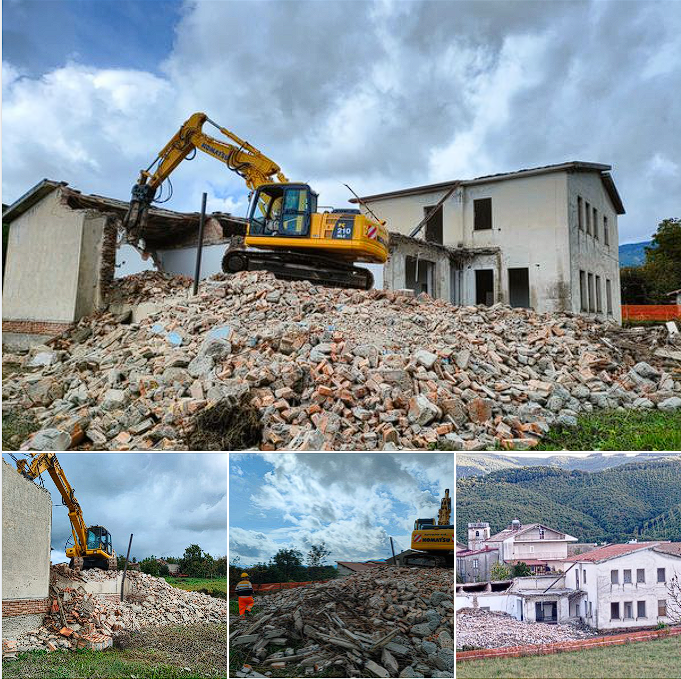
(167, 500)
(351, 501)
(381, 95)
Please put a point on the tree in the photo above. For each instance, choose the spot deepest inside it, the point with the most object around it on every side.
(521, 570)
(316, 557)
(661, 273)
(500, 571)
(163, 569)
(289, 561)
(149, 566)
(192, 561)
(120, 560)
(134, 559)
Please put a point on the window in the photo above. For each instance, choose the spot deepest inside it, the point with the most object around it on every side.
(582, 290)
(592, 307)
(588, 218)
(640, 609)
(475, 563)
(640, 575)
(661, 577)
(580, 218)
(577, 579)
(477, 533)
(608, 295)
(295, 219)
(627, 576)
(595, 223)
(482, 214)
(662, 607)
(606, 233)
(519, 294)
(614, 577)
(541, 533)
(532, 548)
(628, 610)
(614, 611)
(584, 576)
(599, 296)
(591, 610)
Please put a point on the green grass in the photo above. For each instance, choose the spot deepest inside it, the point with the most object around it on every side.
(628, 430)
(162, 653)
(657, 659)
(16, 427)
(215, 586)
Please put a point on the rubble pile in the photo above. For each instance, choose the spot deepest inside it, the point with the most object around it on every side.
(388, 621)
(482, 629)
(329, 368)
(80, 619)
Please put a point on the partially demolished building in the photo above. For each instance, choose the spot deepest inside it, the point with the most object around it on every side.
(62, 254)
(544, 238)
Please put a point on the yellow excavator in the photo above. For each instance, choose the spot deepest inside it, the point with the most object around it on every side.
(93, 547)
(285, 233)
(432, 544)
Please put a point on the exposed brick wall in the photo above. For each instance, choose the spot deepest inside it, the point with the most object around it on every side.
(107, 262)
(560, 647)
(12, 607)
(48, 328)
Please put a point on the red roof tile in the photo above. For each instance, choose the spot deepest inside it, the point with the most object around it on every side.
(611, 551)
(670, 548)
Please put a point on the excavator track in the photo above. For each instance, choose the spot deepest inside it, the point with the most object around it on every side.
(297, 266)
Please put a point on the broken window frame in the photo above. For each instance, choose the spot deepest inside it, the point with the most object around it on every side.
(432, 212)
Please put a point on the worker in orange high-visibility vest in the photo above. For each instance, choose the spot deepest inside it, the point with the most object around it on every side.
(244, 590)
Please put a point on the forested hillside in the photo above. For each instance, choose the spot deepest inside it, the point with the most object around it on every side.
(632, 500)
(475, 464)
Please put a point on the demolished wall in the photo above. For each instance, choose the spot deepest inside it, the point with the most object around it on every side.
(26, 535)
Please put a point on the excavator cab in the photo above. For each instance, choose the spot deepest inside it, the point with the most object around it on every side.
(99, 538)
(282, 210)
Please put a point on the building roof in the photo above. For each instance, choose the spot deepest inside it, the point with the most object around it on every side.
(673, 548)
(612, 551)
(162, 225)
(356, 566)
(571, 166)
(510, 532)
(471, 552)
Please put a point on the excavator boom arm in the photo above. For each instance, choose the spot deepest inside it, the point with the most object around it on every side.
(239, 156)
(48, 462)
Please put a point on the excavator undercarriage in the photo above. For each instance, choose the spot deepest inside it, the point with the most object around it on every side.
(297, 266)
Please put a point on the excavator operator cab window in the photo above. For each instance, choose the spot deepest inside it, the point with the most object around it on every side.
(282, 210)
(421, 524)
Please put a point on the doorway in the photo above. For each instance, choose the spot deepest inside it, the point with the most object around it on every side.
(519, 288)
(484, 286)
(419, 275)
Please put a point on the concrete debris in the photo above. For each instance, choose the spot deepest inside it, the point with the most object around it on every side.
(332, 369)
(366, 622)
(482, 629)
(80, 619)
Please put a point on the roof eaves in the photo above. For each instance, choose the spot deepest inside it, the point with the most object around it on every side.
(30, 198)
(611, 190)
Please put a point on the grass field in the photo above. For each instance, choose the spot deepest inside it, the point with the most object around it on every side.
(628, 430)
(657, 659)
(216, 587)
(162, 653)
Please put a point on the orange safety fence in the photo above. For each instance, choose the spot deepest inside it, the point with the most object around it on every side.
(275, 586)
(651, 312)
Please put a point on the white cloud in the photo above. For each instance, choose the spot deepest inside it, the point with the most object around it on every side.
(404, 94)
(349, 501)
